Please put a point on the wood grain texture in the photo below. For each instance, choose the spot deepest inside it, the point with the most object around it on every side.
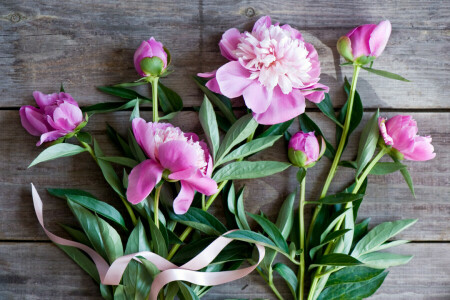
(388, 197)
(86, 44)
(42, 271)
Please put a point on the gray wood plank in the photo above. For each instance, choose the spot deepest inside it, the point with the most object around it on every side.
(86, 45)
(42, 271)
(388, 197)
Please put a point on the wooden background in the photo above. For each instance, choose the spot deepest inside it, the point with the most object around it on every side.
(89, 43)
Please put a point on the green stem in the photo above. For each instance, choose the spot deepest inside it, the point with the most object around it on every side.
(301, 274)
(203, 202)
(154, 83)
(272, 286)
(340, 149)
(89, 149)
(359, 182)
(156, 205)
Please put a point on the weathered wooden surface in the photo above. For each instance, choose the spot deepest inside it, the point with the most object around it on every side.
(86, 44)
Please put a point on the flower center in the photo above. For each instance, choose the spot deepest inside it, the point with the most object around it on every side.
(275, 58)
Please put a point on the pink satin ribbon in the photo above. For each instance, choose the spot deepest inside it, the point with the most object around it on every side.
(111, 275)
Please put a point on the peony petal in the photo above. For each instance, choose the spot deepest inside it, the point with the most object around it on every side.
(233, 79)
(313, 57)
(142, 180)
(184, 199)
(295, 34)
(316, 96)
(359, 38)
(228, 43)
(44, 100)
(256, 97)
(262, 23)
(69, 112)
(144, 50)
(379, 38)
(50, 136)
(158, 50)
(213, 86)
(312, 148)
(282, 108)
(202, 183)
(423, 150)
(180, 175)
(32, 120)
(177, 156)
(207, 74)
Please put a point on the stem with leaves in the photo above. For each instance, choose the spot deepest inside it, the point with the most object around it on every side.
(301, 272)
(341, 146)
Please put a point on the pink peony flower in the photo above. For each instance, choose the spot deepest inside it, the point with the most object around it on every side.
(400, 132)
(58, 115)
(364, 43)
(171, 151)
(272, 68)
(150, 59)
(304, 149)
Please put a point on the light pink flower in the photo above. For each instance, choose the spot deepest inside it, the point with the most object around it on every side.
(272, 68)
(365, 41)
(58, 115)
(304, 149)
(182, 154)
(149, 49)
(400, 132)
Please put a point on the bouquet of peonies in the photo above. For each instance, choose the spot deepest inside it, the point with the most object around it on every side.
(158, 240)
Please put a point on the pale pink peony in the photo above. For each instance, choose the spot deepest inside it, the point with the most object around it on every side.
(185, 157)
(272, 68)
(400, 132)
(58, 115)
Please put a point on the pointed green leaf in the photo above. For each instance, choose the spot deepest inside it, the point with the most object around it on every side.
(240, 211)
(285, 219)
(308, 125)
(277, 129)
(169, 100)
(82, 260)
(383, 260)
(121, 92)
(340, 198)
(208, 121)
(271, 230)
(108, 171)
(368, 142)
(289, 276)
(200, 220)
(111, 240)
(386, 74)
(57, 151)
(327, 108)
(249, 169)
(336, 259)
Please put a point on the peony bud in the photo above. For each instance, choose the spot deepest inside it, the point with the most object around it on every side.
(304, 149)
(400, 133)
(364, 43)
(58, 115)
(150, 59)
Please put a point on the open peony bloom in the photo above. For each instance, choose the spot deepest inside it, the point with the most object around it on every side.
(58, 115)
(400, 132)
(170, 151)
(304, 149)
(272, 68)
(364, 43)
(150, 59)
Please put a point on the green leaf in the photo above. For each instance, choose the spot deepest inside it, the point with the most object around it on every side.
(250, 148)
(124, 161)
(169, 100)
(357, 290)
(111, 240)
(253, 237)
(336, 259)
(380, 234)
(249, 169)
(368, 142)
(238, 132)
(391, 244)
(208, 121)
(385, 74)
(112, 106)
(353, 275)
(169, 116)
(289, 276)
(240, 211)
(135, 113)
(272, 231)
(327, 108)
(329, 238)
(360, 230)
(277, 129)
(383, 260)
(285, 219)
(308, 125)
(61, 88)
(157, 240)
(149, 266)
(82, 260)
(231, 199)
(130, 84)
(57, 151)
(107, 293)
(121, 92)
(152, 65)
(78, 235)
(406, 176)
(108, 171)
(200, 220)
(85, 137)
(222, 102)
(186, 292)
(134, 147)
(118, 140)
(90, 202)
(335, 219)
(340, 198)
(301, 175)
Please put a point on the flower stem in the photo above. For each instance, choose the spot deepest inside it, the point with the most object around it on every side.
(272, 286)
(301, 273)
(156, 205)
(340, 149)
(359, 182)
(154, 83)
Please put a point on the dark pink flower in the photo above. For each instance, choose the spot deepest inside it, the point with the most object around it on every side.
(400, 132)
(147, 51)
(182, 155)
(58, 115)
(304, 149)
(272, 67)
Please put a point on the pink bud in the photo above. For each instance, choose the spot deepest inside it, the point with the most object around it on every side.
(365, 42)
(304, 149)
(400, 132)
(150, 59)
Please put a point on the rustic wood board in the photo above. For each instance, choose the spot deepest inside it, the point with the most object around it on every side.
(42, 271)
(85, 44)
